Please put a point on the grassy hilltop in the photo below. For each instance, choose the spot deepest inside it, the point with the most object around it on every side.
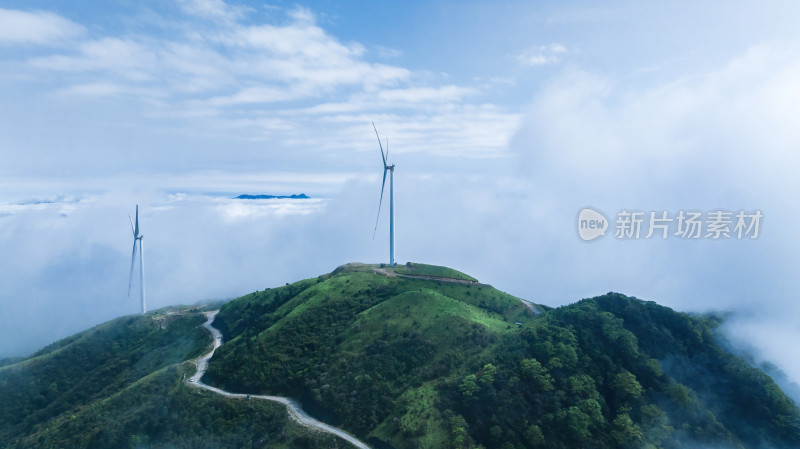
(403, 357)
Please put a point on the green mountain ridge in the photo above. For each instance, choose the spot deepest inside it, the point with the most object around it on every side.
(120, 384)
(414, 356)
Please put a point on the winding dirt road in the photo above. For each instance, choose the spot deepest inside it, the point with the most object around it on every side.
(295, 412)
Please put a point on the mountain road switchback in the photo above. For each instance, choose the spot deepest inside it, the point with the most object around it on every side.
(293, 408)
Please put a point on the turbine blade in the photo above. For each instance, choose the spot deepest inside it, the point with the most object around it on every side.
(133, 258)
(379, 204)
(379, 144)
(136, 231)
(132, 230)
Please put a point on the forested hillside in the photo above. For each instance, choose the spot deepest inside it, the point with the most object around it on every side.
(120, 385)
(410, 362)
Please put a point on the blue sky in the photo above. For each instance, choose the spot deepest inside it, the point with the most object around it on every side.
(504, 119)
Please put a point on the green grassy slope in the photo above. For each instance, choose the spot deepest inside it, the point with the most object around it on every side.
(91, 365)
(160, 411)
(421, 269)
(426, 363)
(119, 385)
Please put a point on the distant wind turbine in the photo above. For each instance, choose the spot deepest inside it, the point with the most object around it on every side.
(390, 169)
(137, 238)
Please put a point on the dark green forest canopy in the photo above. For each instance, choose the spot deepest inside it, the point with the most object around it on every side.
(409, 362)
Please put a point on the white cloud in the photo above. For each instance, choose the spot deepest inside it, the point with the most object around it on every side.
(103, 89)
(193, 69)
(303, 54)
(253, 82)
(236, 210)
(442, 94)
(676, 125)
(291, 61)
(722, 139)
(212, 9)
(302, 15)
(37, 27)
(472, 132)
(541, 54)
(133, 61)
(467, 132)
(387, 53)
(250, 95)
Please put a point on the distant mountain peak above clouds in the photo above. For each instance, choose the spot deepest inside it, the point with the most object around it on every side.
(301, 196)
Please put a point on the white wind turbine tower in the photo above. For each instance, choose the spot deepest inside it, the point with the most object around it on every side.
(137, 238)
(390, 169)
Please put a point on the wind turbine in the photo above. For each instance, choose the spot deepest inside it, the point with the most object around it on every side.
(137, 238)
(390, 169)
